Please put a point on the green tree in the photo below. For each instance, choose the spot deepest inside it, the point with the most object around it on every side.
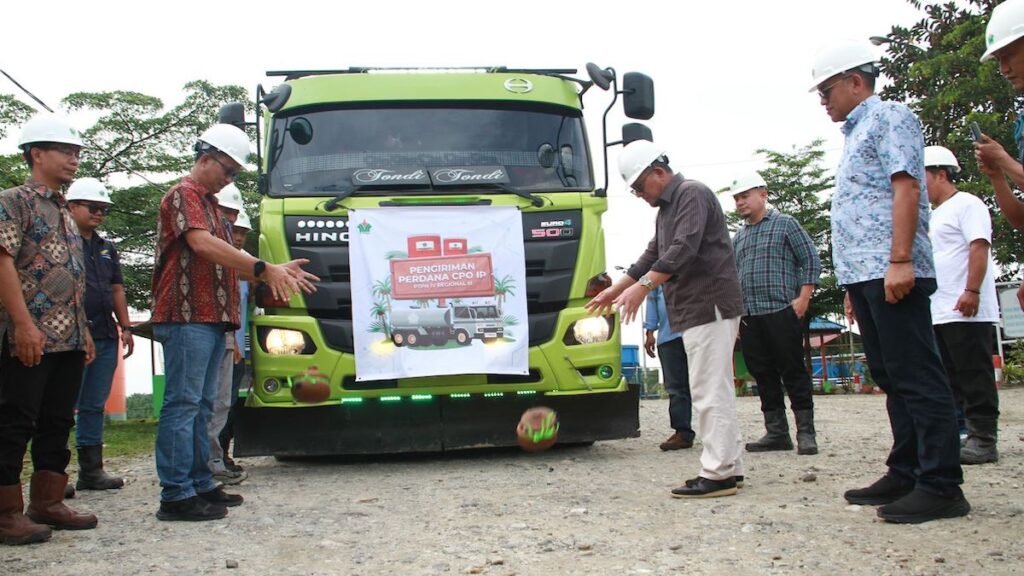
(933, 67)
(138, 142)
(13, 113)
(503, 288)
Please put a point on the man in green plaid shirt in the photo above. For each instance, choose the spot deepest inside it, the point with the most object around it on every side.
(778, 267)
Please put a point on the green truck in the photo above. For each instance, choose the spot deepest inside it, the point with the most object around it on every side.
(333, 140)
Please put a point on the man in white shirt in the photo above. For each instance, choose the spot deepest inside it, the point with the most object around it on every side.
(964, 308)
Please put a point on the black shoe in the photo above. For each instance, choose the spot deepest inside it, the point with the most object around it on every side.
(693, 481)
(230, 465)
(193, 509)
(220, 497)
(705, 488)
(923, 506)
(885, 490)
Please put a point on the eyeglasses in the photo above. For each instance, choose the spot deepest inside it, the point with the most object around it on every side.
(823, 93)
(95, 208)
(229, 173)
(69, 150)
(638, 185)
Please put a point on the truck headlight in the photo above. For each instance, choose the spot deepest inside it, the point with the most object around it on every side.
(590, 330)
(282, 342)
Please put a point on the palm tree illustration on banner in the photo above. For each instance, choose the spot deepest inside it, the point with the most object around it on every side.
(382, 291)
(380, 309)
(504, 286)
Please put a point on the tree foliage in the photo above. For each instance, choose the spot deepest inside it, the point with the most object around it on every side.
(933, 67)
(13, 113)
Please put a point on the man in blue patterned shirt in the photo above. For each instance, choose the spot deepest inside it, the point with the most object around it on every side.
(884, 259)
(779, 268)
(674, 369)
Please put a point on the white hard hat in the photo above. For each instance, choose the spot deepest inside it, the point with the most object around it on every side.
(230, 197)
(229, 139)
(243, 220)
(1005, 26)
(636, 157)
(747, 182)
(89, 189)
(48, 128)
(940, 156)
(841, 56)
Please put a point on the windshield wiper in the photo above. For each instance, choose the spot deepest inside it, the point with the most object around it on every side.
(535, 200)
(332, 204)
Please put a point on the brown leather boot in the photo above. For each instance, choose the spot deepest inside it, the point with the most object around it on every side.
(46, 503)
(15, 527)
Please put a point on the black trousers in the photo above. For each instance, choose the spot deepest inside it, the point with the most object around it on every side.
(774, 351)
(37, 404)
(903, 357)
(966, 349)
(676, 371)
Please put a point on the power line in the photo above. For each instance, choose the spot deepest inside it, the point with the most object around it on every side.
(25, 90)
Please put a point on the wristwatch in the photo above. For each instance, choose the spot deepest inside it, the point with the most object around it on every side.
(646, 282)
(258, 268)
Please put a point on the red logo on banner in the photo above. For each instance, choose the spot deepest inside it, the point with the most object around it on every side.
(454, 276)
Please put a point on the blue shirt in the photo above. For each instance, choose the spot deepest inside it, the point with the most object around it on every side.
(243, 317)
(882, 139)
(657, 317)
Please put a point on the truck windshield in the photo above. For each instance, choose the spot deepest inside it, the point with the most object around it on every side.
(402, 149)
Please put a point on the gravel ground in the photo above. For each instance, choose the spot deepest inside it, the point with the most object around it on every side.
(603, 509)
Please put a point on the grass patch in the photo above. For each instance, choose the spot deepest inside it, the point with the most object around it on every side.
(126, 439)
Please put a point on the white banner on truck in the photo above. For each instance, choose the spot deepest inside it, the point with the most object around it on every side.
(438, 290)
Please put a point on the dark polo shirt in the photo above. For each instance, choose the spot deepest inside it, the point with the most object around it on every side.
(691, 242)
(102, 271)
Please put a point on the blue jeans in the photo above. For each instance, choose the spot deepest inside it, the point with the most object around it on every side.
(92, 397)
(192, 355)
(675, 370)
(904, 359)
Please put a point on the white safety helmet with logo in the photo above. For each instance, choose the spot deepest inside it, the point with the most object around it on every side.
(89, 190)
(229, 139)
(243, 220)
(636, 157)
(843, 56)
(939, 156)
(1005, 26)
(230, 197)
(48, 128)
(747, 182)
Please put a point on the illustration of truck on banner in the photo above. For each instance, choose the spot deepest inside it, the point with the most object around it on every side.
(438, 326)
(330, 142)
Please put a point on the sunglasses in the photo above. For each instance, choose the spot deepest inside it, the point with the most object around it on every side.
(229, 173)
(102, 209)
(638, 186)
(824, 92)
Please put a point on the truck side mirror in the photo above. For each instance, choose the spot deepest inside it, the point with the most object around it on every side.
(277, 98)
(638, 95)
(601, 77)
(232, 113)
(636, 131)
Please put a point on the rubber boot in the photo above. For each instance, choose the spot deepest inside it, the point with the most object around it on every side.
(15, 527)
(46, 503)
(806, 440)
(777, 437)
(91, 475)
(980, 446)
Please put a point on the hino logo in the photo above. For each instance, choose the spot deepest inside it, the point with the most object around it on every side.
(312, 231)
(518, 85)
(371, 175)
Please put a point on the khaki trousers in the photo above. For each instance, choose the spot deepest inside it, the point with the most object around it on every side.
(709, 355)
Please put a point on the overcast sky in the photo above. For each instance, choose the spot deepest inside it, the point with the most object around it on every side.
(731, 76)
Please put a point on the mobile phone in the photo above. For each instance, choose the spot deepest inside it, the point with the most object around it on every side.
(975, 132)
